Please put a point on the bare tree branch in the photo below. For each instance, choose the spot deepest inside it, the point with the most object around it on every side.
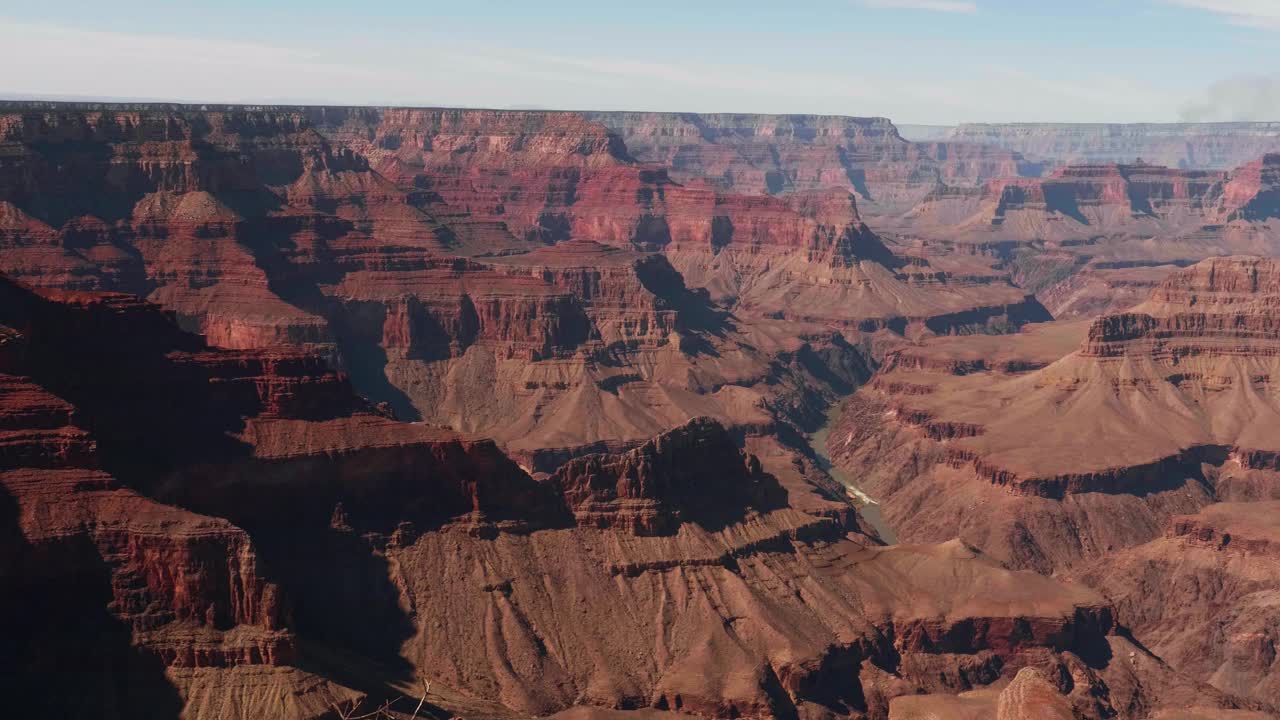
(426, 690)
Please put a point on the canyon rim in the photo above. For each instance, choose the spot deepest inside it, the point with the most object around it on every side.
(881, 402)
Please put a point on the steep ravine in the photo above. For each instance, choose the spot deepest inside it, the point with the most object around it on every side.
(868, 507)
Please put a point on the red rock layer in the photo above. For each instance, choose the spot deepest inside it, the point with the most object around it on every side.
(1203, 595)
(410, 549)
(554, 176)
(206, 211)
(783, 154)
(1139, 189)
(1199, 356)
(1252, 191)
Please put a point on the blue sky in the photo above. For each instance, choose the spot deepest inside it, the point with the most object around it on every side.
(915, 61)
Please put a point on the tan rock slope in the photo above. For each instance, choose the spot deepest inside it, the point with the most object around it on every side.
(1203, 595)
(681, 576)
(489, 270)
(785, 154)
(1089, 239)
(1083, 437)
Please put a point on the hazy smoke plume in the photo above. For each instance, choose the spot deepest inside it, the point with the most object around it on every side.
(1248, 97)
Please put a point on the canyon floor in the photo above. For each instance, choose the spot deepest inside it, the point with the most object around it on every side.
(335, 412)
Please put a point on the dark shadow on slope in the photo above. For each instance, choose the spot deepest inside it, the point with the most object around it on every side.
(147, 409)
(64, 655)
(1061, 198)
(695, 311)
(341, 598)
(728, 503)
(356, 327)
(857, 176)
(81, 180)
(366, 364)
(326, 525)
(1264, 206)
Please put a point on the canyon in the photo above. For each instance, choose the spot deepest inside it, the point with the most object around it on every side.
(1192, 146)
(315, 412)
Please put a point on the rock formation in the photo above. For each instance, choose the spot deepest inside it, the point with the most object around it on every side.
(682, 575)
(1029, 697)
(782, 154)
(1093, 238)
(1202, 595)
(488, 270)
(1195, 146)
(520, 402)
(1007, 421)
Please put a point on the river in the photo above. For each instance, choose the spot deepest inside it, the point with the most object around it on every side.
(868, 508)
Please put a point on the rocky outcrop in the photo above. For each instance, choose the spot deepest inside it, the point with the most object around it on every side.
(772, 154)
(1252, 191)
(646, 491)
(1029, 696)
(1198, 356)
(1209, 570)
(410, 545)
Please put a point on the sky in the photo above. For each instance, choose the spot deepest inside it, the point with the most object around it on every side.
(914, 61)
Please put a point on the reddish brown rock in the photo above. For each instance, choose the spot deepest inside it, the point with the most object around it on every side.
(773, 154)
(1203, 595)
(405, 246)
(1031, 696)
(1252, 191)
(680, 575)
(1088, 238)
(1056, 443)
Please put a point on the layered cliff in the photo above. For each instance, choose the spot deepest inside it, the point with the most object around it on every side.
(1080, 201)
(1199, 146)
(1060, 439)
(480, 269)
(137, 599)
(782, 154)
(1090, 238)
(1252, 191)
(772, 154)
(208, 212)
(682, 576)
(1202, 595)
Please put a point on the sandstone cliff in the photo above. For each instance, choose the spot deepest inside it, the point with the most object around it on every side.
(683, 575)
(480, 269)
(1202, 595)
(1060, 438)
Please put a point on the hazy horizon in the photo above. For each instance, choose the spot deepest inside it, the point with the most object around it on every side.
(917, 62)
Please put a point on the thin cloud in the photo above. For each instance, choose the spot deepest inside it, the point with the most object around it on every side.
(1246, 13)
(1247, 97)
(67, 61)
(946, 6)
